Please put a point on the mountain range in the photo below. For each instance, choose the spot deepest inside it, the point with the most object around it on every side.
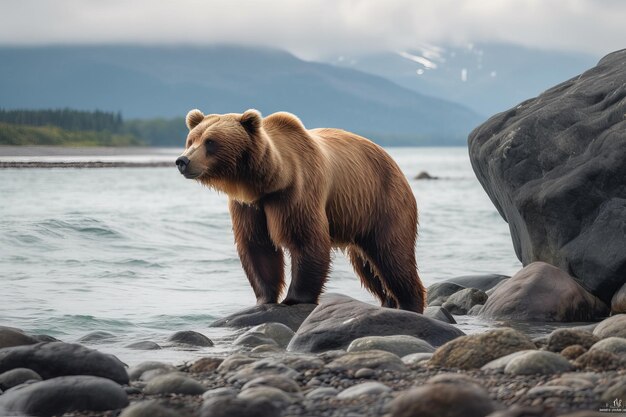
(149, 82)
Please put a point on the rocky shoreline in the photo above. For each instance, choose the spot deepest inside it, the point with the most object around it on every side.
(303, 368)
(83, 164)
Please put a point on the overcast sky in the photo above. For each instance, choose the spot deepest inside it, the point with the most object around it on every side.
(316, 29)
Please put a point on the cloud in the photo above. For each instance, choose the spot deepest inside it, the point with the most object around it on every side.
(314, 29)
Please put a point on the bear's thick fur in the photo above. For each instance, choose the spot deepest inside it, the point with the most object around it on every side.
(307, 191)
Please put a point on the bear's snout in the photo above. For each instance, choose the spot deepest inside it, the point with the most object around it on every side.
(182, 163)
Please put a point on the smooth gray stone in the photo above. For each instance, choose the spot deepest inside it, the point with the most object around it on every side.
(278, 332)
(224, 406)
(365, 388)
(415, 358)
(373, 359)
(321, 392)
(136, 371)
(438, 293)
(613, 326)
(144, 345)
(616, 345)
(275, 381)
(97, 337)
(276, 396)
(290, 316)
(58, 359)
(538, 362)
(220, 392)
(618, 302)
(439, 313)
(400, 345)
(190, 338)
(442, 399)
(10, 336)
(541, 292)
(174, 383)
(253, 340)
(482, 282)
(559, 339)
(17, 376)
(501, 363)
(148, 409)
(339, 319)
(462, 301)
(554, 168)
(60, 395)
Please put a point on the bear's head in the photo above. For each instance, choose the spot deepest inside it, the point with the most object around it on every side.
(218, 146)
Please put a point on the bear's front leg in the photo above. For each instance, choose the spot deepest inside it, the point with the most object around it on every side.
(310, 264)
(261, 259)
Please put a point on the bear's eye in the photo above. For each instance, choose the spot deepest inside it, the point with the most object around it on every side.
(210, 146)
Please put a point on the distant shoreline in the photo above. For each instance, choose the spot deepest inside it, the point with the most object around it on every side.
(83, 164)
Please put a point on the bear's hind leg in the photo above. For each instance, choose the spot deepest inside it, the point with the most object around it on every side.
(364, 269)
(261, 259)
(398, 273)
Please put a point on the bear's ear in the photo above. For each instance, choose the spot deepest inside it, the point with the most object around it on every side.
(251, 120)
(194, 117)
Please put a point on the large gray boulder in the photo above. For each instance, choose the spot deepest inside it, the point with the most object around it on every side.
(339, 319)
(554, 168)
(64, 394)
(290, 316)
(541, 292)
(59, 359)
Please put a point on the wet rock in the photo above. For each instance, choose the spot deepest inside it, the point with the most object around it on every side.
(364, 373)
(439, 313)
(137, 371)
(365, 388)
(10, 336)
(400, 345)
(220, 392)
(97, 337)
(173, 383)
(190, 338)
(618, 302)
(553, 167)
(275, 381)
(572, 352)
(616, 390)
(616, 345)
(482, 282)
(562, 338)
(224, 406)
(60, 395)
(438, 293)
(274, 395)
(148, 409)
(153, 373)
(373, 359)
(338, 320)
(613, 326)
(17, 376)
(322, 392)
(278, 332)
(475, 310)
(538, 362)
(423, 175)
(204, 365)
(58, 359)
(266, 366)
(453, 378)
(416, 358)
(436, 400)
(145, 345)
(44, 338)
(501, 363)
(600, 360)
(253, 340)
(462, 301)
(474, 351)
(234, 362)
(290, 316)
(301, 362)
(541, 292)
(267, 349)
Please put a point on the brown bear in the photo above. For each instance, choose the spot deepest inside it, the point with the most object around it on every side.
(308, 191)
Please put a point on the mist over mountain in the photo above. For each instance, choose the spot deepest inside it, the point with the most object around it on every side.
(487, 78)
(151, 82)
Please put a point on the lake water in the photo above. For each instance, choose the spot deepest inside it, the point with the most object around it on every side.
(143, 252)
